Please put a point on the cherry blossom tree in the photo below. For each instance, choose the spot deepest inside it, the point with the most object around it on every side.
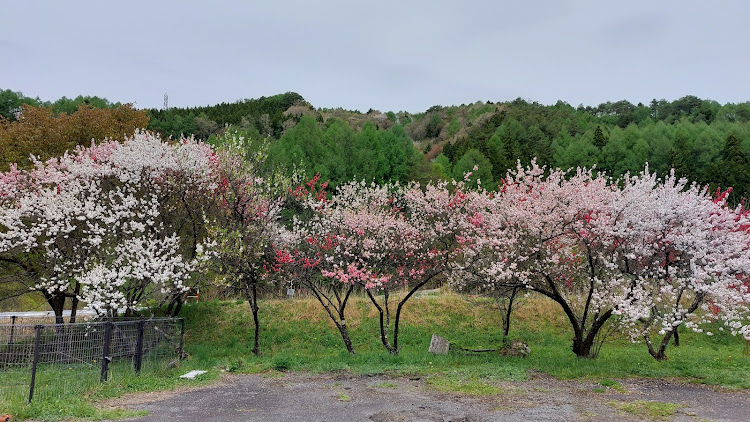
(393, 240)
(86, 226)
(479, 250)
(654, 253)
(315, 243)
(390, 240)
(689, 252)
(551, 232)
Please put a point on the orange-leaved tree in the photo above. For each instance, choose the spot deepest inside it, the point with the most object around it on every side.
(40, 132)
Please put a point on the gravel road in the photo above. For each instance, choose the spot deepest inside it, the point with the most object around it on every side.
(381, 398)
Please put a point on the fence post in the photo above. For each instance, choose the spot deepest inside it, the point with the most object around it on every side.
(139, 347)
(182, 337)
(12, 327)
(37, 341)
(106, 358)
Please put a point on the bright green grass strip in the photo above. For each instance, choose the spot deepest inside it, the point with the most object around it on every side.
(458, 384)
(64, 392)
(654, 410)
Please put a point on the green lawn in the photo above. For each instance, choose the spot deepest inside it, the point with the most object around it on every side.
(296, 335)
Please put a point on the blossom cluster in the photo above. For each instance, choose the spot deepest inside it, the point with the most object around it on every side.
(655, 252)
(95, 224)
(374, 236)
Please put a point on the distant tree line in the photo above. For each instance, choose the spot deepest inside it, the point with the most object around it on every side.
(339, 154)
(43, 133)
(702, 140)
(11, 102)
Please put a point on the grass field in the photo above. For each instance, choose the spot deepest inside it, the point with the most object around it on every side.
(297, 336)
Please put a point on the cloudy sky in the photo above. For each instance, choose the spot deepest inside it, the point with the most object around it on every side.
(387, 55)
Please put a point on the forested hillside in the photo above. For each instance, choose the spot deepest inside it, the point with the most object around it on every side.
(700, 139)
(264, 115)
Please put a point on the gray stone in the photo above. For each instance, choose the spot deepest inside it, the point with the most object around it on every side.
(439, 345)
(516, 348)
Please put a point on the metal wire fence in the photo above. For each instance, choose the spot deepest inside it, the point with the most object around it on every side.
(47, 360)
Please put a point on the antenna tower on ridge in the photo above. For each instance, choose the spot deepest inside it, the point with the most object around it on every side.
(166, 101)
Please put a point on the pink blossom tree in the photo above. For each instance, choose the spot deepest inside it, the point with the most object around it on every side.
(393, 240)
(654, 253)
(308, 255)
(551, 232)
(390, 240)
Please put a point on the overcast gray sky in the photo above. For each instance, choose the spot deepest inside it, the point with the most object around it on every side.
(388, 55)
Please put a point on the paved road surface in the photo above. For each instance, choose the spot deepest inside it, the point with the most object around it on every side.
(304, 397)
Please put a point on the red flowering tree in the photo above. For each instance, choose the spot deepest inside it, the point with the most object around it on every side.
(306, 256)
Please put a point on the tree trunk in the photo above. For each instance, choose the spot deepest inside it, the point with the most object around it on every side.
(385, 317)
(170, 305)
(175, 305)
(401, 305)
(583, 346)
(74, 305)
(57, 303)
(583, 338)
(343, 329)
(339, 318)
(178, 307)
(509, 312)
(345, 336)
(661, 353)
(506, 325)
(384, 321)
(254, 307)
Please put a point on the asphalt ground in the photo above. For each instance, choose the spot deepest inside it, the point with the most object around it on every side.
(381, 398)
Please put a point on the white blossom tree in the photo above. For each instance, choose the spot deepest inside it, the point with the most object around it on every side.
(90, 225)
(690, 256)
(550, 232)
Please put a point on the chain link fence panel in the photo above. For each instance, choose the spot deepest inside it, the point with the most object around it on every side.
(45, 360)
